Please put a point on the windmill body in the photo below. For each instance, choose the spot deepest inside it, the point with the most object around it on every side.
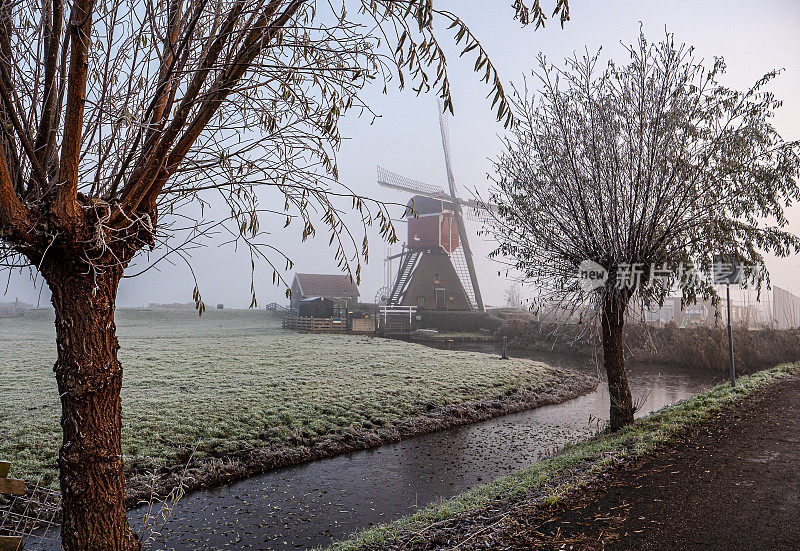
(436, 269)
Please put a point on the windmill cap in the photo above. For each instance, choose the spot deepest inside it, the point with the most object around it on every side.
(426, 205)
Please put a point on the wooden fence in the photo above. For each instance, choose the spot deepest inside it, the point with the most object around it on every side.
(362, 325)
(275, 307)
(10, 486)
(315, 325)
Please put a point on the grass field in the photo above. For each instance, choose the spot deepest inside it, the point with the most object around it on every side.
(234, 380)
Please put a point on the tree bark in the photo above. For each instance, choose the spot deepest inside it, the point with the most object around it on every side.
(89, 377)
(613, 322)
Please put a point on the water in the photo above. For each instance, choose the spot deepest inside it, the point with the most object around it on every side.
(313, 504)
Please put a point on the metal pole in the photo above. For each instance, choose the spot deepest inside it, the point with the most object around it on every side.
(730, 339)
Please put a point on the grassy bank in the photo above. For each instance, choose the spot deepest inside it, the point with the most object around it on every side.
(546, 482)
(255, 396)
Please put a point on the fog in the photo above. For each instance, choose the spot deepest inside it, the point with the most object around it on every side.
(753, 37)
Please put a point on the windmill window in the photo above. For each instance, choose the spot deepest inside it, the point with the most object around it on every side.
(436, 278)
(421, 303)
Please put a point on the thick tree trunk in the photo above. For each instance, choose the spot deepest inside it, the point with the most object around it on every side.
(613, 322)
(89, 380)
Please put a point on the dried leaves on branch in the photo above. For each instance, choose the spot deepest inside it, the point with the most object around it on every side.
(654, 162)
(642, 173)
(125, 124)
(119, 114)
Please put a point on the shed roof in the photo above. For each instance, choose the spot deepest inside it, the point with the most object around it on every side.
(326, 285)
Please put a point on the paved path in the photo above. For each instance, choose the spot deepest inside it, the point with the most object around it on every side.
(734, 484)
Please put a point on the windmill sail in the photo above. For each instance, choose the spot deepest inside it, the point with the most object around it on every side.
(469, 278)
(401, 183)
(472, 209)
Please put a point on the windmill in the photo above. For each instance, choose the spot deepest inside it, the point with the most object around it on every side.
(436, 268)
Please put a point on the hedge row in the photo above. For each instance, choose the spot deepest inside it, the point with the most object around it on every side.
(698, 347)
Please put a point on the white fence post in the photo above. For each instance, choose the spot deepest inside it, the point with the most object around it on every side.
(386, 311)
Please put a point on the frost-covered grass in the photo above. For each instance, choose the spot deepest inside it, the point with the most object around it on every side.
(235, 380)
(551, 480)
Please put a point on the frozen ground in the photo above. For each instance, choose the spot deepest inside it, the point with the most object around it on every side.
(234, 381)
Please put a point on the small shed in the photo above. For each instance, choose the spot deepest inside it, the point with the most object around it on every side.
(337, 287)
(316, 307)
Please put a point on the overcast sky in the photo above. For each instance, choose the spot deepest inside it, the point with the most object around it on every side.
(753, 37)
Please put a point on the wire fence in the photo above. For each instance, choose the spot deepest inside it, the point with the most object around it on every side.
(33, 516)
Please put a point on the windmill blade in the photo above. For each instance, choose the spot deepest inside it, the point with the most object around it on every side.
(448, 160)
(472, 210)
(476, 215)
(478, 208)
(470, 277)
(477, 211)
(395, 181)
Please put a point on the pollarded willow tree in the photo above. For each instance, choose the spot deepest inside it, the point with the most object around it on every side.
(118, 115)
(648, 169)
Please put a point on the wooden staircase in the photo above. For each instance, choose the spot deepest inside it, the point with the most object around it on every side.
(407, 266)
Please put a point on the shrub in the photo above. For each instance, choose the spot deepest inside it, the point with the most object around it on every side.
(458, 321)
(697, 347)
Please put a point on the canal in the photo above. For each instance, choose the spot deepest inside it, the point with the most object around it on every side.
(316, 503)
